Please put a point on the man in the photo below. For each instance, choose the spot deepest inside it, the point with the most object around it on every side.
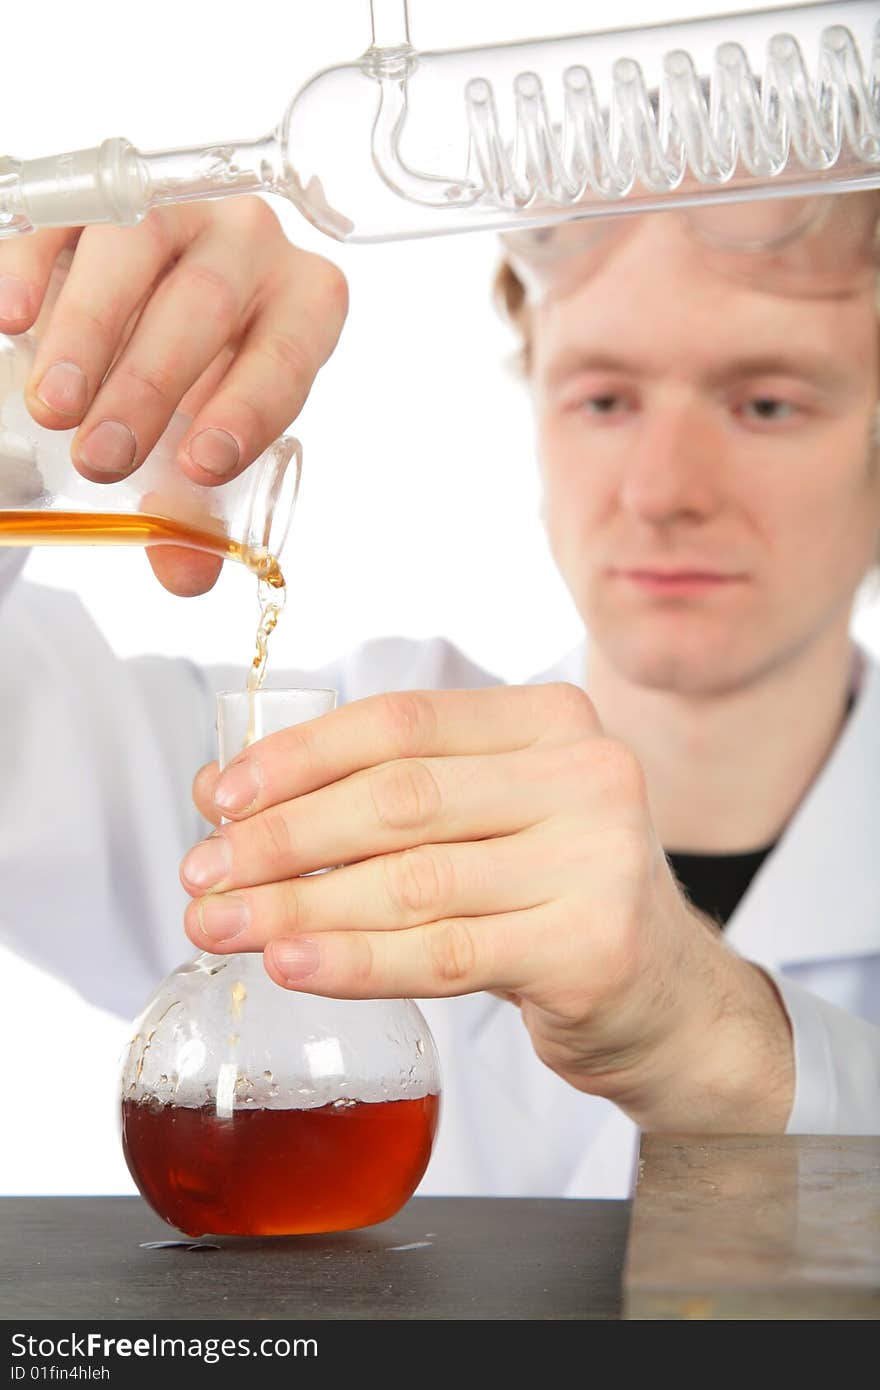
(713, 509)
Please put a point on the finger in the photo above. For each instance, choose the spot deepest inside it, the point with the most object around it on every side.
(508, 995)
(180, 569)
(183, 571)
(394, 807)
(207, 384)
(404, 724)
(387, 893)
(203, 792)
(113, 270)
(25, 267)
(198, 306)
(457, 956)
(290, 337)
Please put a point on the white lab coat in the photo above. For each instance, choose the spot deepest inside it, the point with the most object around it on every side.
(96, 761)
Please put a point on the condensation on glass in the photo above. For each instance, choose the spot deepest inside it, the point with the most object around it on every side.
(402, 143)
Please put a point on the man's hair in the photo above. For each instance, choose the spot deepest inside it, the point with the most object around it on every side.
(509, 297)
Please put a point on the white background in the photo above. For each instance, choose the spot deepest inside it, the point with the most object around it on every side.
(418, 512)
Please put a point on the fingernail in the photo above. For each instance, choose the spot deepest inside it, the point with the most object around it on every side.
(239, 786)
(296, 960)
(110, 448)
(15, 298)
(222, 918)
(64, 388)
(215, 451)
(208, 864)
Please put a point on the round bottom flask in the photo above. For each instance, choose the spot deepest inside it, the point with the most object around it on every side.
(248, 1109)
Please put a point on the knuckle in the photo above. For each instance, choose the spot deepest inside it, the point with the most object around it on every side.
(25, 255)
(452, 953)
(330, 283)
(417, 884)
(363, 967)
(251, 215)
(293, 918)
(211, 288)
(275, 839)
(408, 718)
(405, 795)
(101, 322)
(301, 752)
(579, 757)
(336, 287)
(157, 229)
(616, 770)
(570, 707)
(249, 419)
(156, 234)
(567, 768)
(607, 769)
(288, 356)
(151, 383)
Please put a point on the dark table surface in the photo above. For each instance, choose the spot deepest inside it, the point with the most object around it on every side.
(441, 1257)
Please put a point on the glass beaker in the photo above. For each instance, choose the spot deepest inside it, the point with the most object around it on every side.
(248, 1109)
(45, 501)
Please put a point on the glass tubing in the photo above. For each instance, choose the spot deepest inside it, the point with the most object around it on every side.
(398, 143)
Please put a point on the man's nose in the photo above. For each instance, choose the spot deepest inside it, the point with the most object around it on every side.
(672, 469)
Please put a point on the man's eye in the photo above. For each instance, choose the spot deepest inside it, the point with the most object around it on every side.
(602, 405)
(769, 408)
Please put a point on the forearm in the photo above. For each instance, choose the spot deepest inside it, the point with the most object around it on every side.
(732, 1071)
(724, 1062)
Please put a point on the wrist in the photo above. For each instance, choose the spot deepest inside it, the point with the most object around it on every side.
(727, 1063)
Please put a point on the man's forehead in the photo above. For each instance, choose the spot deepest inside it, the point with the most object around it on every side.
(829, 251)
(643, 312)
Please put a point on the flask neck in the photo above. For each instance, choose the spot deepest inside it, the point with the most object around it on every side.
(243, 716)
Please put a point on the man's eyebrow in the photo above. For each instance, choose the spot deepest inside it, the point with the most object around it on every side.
(819, 368)
(572, 360)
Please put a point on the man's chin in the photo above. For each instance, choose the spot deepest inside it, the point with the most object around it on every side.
(677, 670)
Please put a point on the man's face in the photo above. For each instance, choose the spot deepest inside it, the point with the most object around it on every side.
(711, 497)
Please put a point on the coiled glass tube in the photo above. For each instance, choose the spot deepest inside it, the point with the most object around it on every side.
(402, 143)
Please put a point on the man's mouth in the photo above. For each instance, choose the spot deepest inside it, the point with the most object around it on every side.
(680, 580)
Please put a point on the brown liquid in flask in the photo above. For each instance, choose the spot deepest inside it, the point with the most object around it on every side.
(278, 1172)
